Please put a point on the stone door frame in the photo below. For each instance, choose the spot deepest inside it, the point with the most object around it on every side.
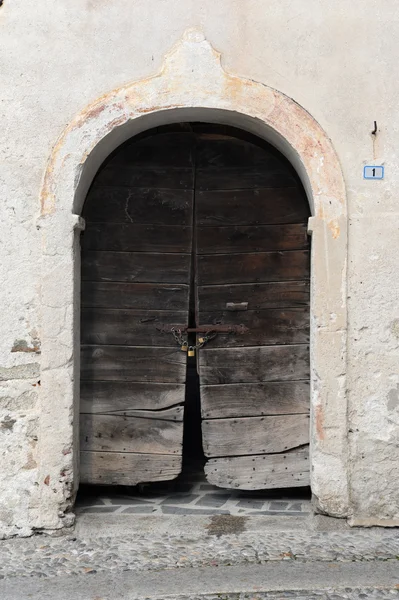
(192, 86)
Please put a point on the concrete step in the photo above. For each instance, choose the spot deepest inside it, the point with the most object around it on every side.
(274, 580)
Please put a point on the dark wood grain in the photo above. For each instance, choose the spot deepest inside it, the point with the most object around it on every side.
(114, 433)
(259, 472)
(251, 207)
(255, 399)
(130, 327)
(135, 295)
(174, 149)
(128, 237)
(253, 365)
(135, 267)
(252, 238)
(120, 468)
(276, 294)
(254, 435)
(140, 206)
(236, 178)
(250, 268)
(114, 396)
(127, 363)
(264, 327)
(216, 151)
(173, 178)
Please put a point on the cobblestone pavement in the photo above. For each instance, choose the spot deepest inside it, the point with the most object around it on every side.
(43, 556)
(192, 495)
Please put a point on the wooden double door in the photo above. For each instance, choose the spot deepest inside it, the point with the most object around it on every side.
(194, 227)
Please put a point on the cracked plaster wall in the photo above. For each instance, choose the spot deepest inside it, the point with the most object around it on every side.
(338, 60)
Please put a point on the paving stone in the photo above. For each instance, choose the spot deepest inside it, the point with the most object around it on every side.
(99, 509)
(215, 500)
(178, 510)
(247, 503)
(123, 500)
(139, 509)
(180, 499)
(275, 505)
(297, 506)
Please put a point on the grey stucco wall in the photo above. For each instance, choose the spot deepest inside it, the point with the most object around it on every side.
(338, 60)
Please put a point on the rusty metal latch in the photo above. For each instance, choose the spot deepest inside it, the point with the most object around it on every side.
(209, 333)
(216, 328)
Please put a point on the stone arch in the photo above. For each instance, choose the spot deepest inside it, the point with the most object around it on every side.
(192, 86)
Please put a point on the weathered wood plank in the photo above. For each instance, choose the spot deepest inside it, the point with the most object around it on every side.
(115, 468)
(260, 472)
(249, 268)
(253, 365)
(227, 178)
(114, 433)
(264, 327)
(276, 294)
(173, 178)
(175, 413)
(220, 151)
(113, 396)
(129, 363)
(254, 435)
(251, 207)
(255, 399)
(135, 267)
(135, 295)
(128, 237)
(129, 327)
(140, 206)
(252, 238)
(174, 149)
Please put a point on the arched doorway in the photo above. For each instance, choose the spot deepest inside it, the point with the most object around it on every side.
(180, 92)
(195, 236)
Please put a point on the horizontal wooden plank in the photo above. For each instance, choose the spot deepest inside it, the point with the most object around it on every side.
(255, 399)
(243, 178)
(264, 327)
(114, 433)
(130, 327)
(252, 268)
(253, 365)
(128, 237)
(251, 207)
(220, 151)
(135, 295)
(128, 363)
(136, 267)
(262, 472)
(117, 468)
(254, 435)
(252, 238)
(175, 413)
(141, 206)
(174, 149)
(276, 294)
(146, 175)
(114, 396)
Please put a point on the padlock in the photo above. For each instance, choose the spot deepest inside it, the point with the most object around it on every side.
(191, 352)
(201, 340)
(184, 347)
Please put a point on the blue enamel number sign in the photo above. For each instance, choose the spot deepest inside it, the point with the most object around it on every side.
(373, 172)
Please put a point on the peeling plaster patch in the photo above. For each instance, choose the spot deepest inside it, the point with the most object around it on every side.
(23, 346)
(319, 422)
(395, 327)
(393, 398)
(29, 371)
(8, 423)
